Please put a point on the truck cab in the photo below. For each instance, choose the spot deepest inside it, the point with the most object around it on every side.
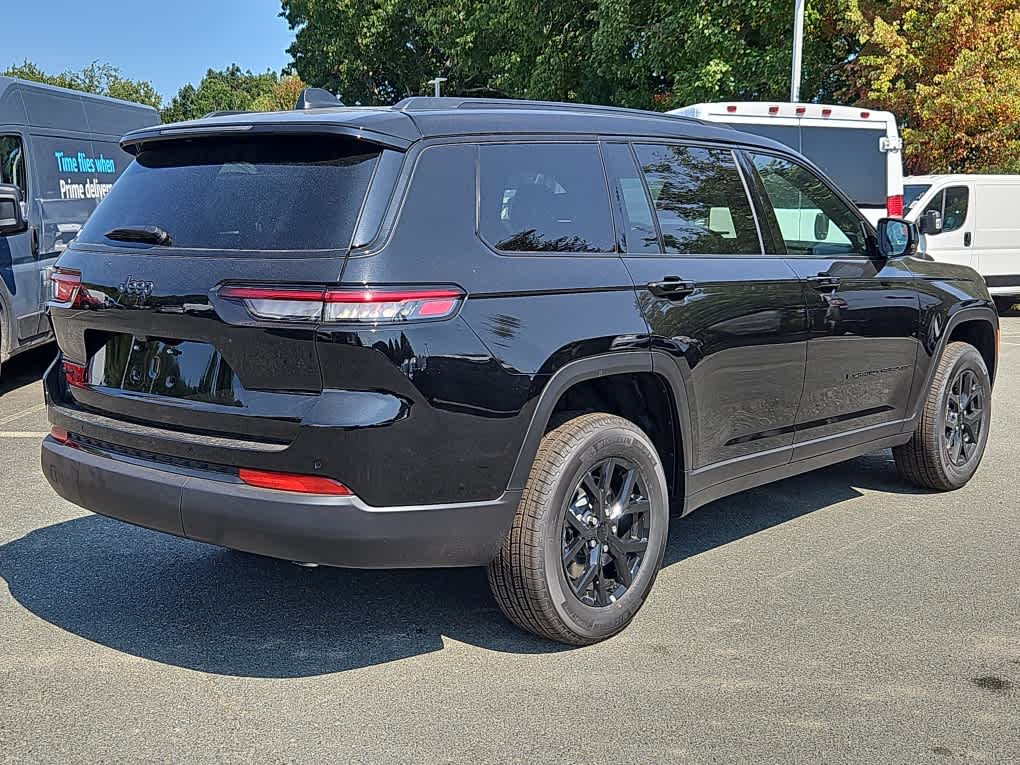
(59, 156)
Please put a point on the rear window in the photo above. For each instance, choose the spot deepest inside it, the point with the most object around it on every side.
(851, 157)
(251, 193)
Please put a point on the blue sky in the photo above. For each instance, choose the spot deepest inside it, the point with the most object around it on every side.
(168, 42)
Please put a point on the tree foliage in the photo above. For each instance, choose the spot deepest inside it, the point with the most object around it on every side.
(232, 89)
(950, 71)
(642, 53)
(98, 78)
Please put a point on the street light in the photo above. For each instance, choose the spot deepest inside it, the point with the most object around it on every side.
(798, 44)
(437, 81)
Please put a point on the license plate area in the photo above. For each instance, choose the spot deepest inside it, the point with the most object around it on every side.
(179, 369)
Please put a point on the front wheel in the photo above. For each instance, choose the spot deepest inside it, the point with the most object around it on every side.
(589, 534)
(952, 431)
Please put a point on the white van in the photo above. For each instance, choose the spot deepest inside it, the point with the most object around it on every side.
(973, 220)
(859, 149)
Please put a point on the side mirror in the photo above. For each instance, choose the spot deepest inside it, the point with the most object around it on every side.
(897, 238)
(821, 227)
(12, 219)
(930, 222)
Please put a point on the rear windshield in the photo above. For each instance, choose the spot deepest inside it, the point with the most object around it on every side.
(851, 157)
(241, 193)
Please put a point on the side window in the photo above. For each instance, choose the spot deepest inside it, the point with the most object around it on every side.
(12, 163)
(700, 200)
(544, 197)
(955, 214)
(638, 234)
(811, 218)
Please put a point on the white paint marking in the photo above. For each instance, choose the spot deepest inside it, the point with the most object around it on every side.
(22, 434)
(23, 413)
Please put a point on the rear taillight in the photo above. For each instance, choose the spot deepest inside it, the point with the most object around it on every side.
(302, 484)
(340, 304)
(77, 376)
(894, 206)
(66, 286)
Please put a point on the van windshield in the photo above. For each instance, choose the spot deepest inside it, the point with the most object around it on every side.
(250, 193)
(851, 157)
(912, 193)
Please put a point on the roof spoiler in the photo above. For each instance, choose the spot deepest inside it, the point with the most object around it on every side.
(316, 98)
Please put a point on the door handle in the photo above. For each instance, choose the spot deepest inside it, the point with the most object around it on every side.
(672, 288)
(35, 242)
(824, 283)
(967, 239)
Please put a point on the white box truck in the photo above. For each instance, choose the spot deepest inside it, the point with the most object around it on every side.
(859, 149)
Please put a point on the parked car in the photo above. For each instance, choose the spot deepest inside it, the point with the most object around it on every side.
(859, 149)
(972, 220)
(59, 155)
(462, 332)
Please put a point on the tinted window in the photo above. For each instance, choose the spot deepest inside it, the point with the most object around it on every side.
(699, 200)
(811, 219)
(951, 204)
(853, 159)
(912, 193)
(12, 163)
(637, 232)
(544, 197)
(257, 193)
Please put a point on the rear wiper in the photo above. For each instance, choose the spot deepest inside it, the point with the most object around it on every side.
(146, 234)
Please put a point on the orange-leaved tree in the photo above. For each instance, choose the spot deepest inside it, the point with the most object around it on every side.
(950, 70)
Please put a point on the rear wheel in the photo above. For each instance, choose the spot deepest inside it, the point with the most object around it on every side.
(950, 439)
(589, 534)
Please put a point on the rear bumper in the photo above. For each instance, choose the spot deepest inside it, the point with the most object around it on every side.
(220, 510)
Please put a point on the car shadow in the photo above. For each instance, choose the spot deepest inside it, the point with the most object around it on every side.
(209, 609)
(26, 368)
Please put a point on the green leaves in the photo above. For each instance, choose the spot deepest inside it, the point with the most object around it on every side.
(233, 89)
(98, 78)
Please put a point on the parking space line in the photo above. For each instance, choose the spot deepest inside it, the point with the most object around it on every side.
(23, 434)
(23, 413)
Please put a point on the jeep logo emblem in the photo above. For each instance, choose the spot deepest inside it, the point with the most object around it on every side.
(137, 289)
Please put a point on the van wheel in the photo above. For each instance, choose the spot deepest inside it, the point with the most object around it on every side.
(950, 439)
(589, 534)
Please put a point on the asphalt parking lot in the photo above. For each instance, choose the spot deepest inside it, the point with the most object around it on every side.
(837, 616)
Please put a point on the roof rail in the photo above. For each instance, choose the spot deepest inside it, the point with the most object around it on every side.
(225, 113)
(444, 103)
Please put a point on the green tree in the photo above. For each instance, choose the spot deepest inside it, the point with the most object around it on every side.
(645, 53)
(232, 89)
(950, 70)
(98, 78)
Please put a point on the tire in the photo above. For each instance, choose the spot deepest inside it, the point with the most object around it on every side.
(529, 576)
(930, 459)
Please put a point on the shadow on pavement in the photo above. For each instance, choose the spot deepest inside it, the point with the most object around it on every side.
(27, 368)
(213, 610)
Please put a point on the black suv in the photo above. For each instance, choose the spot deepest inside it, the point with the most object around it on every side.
(463, 332)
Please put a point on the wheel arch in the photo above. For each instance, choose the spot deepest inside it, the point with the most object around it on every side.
(590, 374)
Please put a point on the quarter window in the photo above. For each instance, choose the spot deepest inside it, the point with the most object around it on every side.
(700, 200)
(811, 218)
(12, 163)
(545, 197)
(952, 204)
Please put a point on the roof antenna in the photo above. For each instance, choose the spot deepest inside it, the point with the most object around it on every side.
(316, 98)
(437, 81)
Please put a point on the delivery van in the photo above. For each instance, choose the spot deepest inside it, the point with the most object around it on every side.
(59, 156)
(972, 220)
(859, 149)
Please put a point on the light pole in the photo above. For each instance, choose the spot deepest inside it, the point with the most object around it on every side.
(798, 45)
(437, 81)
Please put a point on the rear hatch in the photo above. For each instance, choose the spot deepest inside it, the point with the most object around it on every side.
(140, 314)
